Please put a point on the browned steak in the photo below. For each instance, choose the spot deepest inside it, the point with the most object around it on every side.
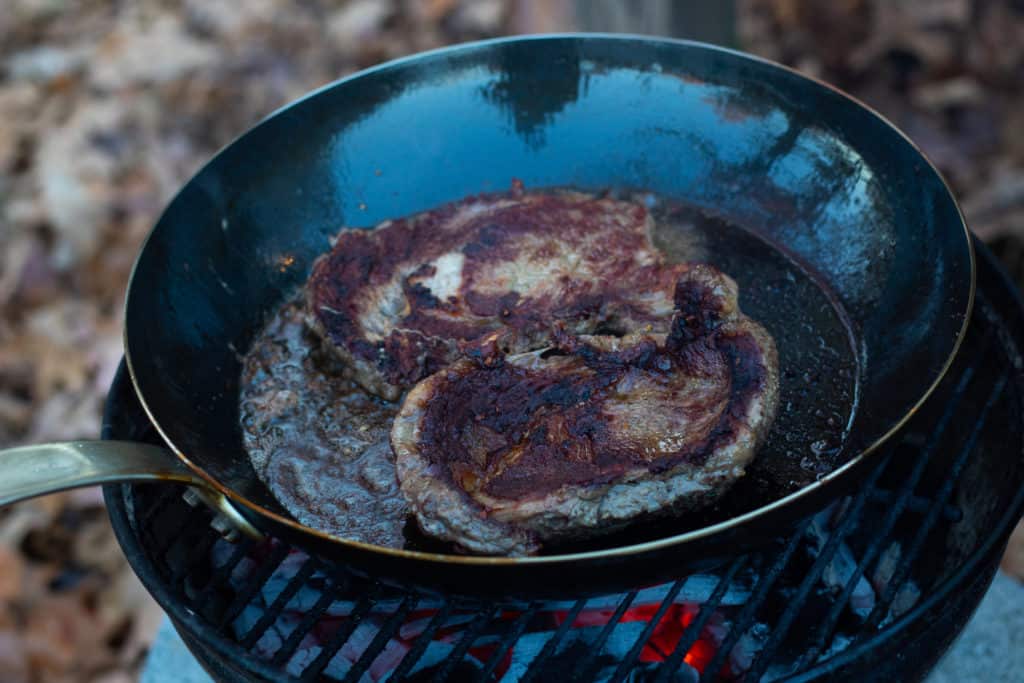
(597, 432)
(485, 274)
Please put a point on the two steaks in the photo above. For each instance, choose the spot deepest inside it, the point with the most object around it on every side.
(563, 380)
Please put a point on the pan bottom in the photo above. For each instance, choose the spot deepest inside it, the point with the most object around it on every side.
(320, 444)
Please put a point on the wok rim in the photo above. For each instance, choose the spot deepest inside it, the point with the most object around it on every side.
(618, 551)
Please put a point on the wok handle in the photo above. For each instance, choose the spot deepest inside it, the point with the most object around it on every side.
(30, 471)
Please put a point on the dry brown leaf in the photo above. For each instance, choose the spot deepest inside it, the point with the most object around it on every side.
(45, 63)
(1013, 560)
(19, 103)
(126, 596)
(435, 10)
(115, 677)
(12, 566)
(15, 414)
(96, 548)
(14, 665)
(13, 262)
(149, 50)
(954, 92)
(75, 178)
(230, 19)
(61, 636)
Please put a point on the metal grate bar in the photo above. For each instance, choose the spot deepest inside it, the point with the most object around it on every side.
(422, 643)
(387, 631)
(896, 509)
(552, 644)
(327, 650)
(309, 620)
(692, 632)
(746, 616)
(163, 499)
(193, 518)
(471, 633)
(516, 630)
(917, 504)
(585, 668)
(630, 659)
(287, 649)
(899, 577)
(197, 556)
(280, 602)
(252, 584)
(810, 580)
(221, 572)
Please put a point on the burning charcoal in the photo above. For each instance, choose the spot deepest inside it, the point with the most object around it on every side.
(820, 529)
(649, 672)
(311, 645)
(411, 629)
(576, 647)
(840, 642)
(357, 643)
(588, 623)
(906, 598)
(306, 653)
(862, 600)
(526, 650)
(697, 589)
(465, 670)
(843, 566)
(271, 640)
(886, 566)
(436, 653)
(907, 594)
(388, 659)
(746, 649)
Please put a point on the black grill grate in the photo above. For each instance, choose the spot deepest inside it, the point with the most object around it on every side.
(799, 627)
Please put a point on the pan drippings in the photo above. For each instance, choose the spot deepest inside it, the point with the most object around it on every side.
(320, 443)
(317, 441)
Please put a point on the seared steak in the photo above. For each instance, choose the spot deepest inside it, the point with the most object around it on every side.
(487, 274)
(592, 434)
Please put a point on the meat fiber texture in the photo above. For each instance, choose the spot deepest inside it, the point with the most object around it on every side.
(489, 275)
(506, 455)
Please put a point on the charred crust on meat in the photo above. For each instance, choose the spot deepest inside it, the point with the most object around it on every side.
(592, 433)
(506, 400)
(431, 285)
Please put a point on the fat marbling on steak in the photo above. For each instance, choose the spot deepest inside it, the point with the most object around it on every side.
(593, 434)
(485, 274)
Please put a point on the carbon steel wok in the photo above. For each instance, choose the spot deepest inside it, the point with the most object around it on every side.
(801, 163)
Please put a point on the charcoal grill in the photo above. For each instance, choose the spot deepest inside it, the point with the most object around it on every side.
(875, 587)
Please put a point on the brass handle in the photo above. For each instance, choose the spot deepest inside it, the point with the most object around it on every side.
(30, 471)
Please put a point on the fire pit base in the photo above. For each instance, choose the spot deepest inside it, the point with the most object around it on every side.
(996, 631)
(875, 587)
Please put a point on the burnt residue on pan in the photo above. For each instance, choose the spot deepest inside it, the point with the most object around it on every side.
(320, 443)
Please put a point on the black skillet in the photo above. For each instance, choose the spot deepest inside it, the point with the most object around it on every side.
(748, 141)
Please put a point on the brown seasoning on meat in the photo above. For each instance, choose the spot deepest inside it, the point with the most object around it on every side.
(593, 434)
(406, 299)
